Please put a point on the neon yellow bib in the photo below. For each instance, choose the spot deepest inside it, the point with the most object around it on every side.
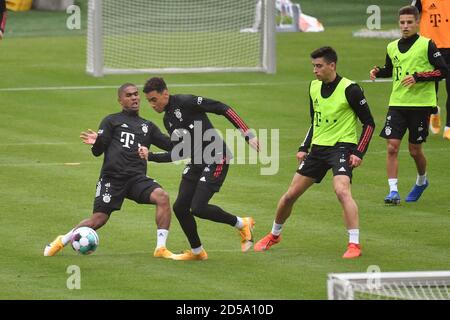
(421, 94)
(334, 119)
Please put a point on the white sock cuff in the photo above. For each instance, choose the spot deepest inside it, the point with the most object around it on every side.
(353, 235)
(239, 223)
(197, 250)
(393, 184)
(161, 237)
(276, 228)
(67, 237)
(421, 179)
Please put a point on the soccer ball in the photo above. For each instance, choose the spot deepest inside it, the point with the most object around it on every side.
(84, 240)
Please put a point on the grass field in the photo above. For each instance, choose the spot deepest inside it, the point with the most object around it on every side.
(41, 197)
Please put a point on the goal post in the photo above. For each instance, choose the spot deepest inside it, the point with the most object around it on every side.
(424, 285)
(180, 36)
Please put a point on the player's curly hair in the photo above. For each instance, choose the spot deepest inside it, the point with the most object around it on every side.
(155, 84)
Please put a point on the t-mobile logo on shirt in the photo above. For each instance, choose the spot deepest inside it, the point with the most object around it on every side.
(127, 139)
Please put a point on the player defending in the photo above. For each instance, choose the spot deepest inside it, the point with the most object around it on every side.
(186, 121)
(123, 174)
(335, 104)
(415, 64)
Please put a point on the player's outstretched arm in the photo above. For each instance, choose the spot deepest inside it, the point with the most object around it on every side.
(88, 137)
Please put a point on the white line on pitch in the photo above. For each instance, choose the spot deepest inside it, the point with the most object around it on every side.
(24, 164)
(36, 144)
(243, 84)
(375, 81)
(175, 85)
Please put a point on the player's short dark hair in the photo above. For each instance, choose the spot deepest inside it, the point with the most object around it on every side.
(328, 53)
(155, 84)
(123, 87)
(412, 10)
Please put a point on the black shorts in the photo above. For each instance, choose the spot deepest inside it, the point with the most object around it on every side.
(446, 54)
(399, 119)
(212, 175)
(322, 158)
(111, 192)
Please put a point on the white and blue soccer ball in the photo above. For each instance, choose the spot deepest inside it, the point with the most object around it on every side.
(85, 240)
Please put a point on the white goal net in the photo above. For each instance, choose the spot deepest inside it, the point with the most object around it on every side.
(429, 285)
(155, 36)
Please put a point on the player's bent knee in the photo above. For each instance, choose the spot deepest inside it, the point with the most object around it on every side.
(180, 208)
(343, 194)
(289, 198)
(160, 197)
(199, 211)
(415, 152)
(392, 149)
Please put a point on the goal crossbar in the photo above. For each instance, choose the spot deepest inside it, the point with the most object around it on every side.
(179, 36)
(433, 285)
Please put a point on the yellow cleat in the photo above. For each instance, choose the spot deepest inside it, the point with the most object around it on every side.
(446, 134)
(162, 252)
(54, 247)
(189, 255)
(246, 233)
(435, 122)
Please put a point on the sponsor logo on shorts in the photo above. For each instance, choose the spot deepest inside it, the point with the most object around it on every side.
(388, 131)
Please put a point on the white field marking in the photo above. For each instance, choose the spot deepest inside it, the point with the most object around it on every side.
(36, 144)
(45, 164)
(175, 85)
(172, 85)
(375, 81)
(31, 164)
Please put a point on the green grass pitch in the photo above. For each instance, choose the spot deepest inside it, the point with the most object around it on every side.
(41, 197)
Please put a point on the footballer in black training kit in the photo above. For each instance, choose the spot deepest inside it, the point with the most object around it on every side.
(120, 138)
(193, 136)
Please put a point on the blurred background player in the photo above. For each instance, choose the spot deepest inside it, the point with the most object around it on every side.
(185, 118)
(123, 175)
(335, 104)
(435, 24)
(415, 64)
(2, 18)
